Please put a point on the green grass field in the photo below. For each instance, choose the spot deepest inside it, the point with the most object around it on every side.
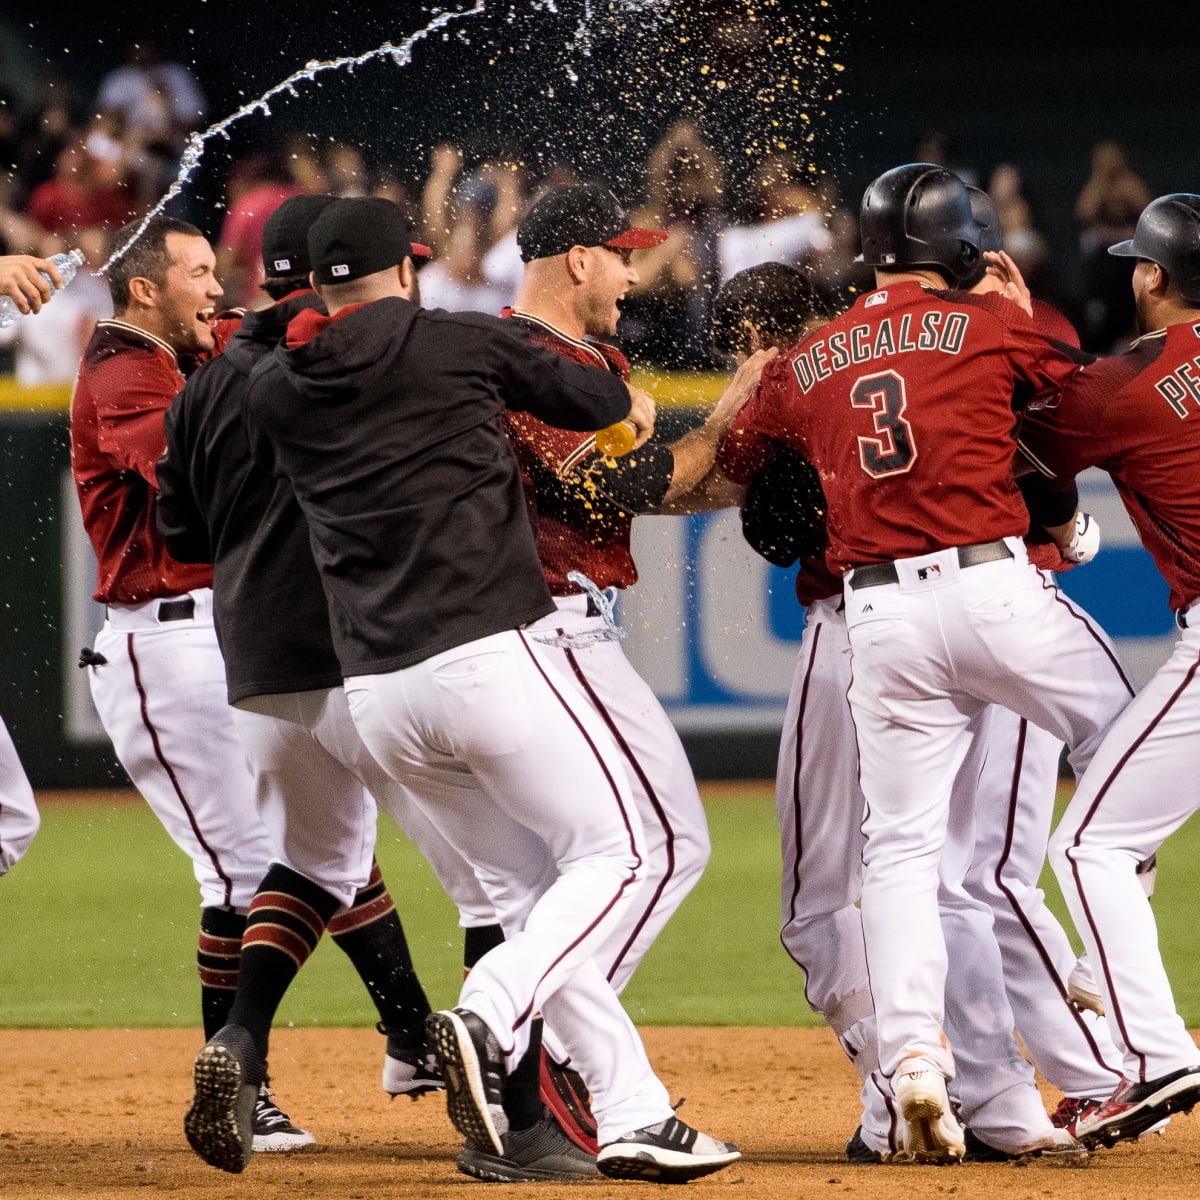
(99, 930)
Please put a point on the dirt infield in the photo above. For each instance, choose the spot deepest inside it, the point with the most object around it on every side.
(99, 1114)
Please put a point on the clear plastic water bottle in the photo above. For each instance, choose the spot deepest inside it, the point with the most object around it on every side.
(68, 266)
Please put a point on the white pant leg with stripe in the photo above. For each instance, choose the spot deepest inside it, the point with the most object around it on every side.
(820, 810)
(660, 777)
(523, 778)
(1014, 808)
(1141, 786)
(19, 819)
(161, 697)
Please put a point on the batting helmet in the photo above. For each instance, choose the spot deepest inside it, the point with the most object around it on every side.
(991, 236)
(919, 215)
(1168, 233)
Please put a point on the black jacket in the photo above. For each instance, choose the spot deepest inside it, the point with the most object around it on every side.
(215, 505)
(388, 424)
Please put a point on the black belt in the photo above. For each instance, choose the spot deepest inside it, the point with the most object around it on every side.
(877, 574)
(1181, 615)
(177, 610)
(593, 609)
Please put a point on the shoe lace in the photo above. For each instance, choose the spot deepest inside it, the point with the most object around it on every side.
(268, 1114)
(1070, 1109)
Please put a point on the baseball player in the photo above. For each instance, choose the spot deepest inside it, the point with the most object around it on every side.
(383, 412)
(1136, 416)
(316, 785)
(783, 518)
(156, 673)
(576, 243)
(19, 818)
(873, 400)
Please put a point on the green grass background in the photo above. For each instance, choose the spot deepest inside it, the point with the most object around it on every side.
(98, 929)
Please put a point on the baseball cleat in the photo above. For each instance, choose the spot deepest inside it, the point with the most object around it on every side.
(1137, 1108)
(859, 1153)
(669, 1152)
(410, 1071)
(220, 1123)
(566, 1096)
(930, 1132)
(273, 1129)
(472, 1066)
(1082, 990)
(541, 1152)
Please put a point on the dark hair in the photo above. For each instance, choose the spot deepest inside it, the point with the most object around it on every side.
(778, 299)
(146, 258)
(278, 286)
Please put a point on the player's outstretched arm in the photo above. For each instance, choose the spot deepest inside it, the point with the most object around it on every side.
(696, 452)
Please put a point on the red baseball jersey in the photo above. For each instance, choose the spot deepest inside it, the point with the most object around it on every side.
(1137, 416)
(576, 531)
(126, 380)
(905, 405)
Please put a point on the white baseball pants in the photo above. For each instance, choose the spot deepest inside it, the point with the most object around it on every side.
(522, 777)
(318, 787)
(1142, 785)
(930, 652)
(19, 819)
(162, 700)
(1014, 807)
(660, 777)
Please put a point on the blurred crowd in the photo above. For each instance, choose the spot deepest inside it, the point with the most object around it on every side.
(75, 169)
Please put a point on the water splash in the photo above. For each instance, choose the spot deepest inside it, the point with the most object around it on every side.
(401, 55)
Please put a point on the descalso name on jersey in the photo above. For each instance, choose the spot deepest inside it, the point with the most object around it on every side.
(821, 357)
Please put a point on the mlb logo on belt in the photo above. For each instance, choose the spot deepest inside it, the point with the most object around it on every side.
(931, 572)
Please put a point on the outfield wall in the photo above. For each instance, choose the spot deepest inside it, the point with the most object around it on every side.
(711, 626)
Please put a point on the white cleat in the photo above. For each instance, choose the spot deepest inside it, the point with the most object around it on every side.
(930, 1132)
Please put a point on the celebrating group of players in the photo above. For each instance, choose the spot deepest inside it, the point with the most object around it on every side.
(356, 553)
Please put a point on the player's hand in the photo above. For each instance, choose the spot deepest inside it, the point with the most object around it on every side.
(741, 387)
(1012, 282)
(1085, 540)
(446, 159)
(22, 281)
(641, 414)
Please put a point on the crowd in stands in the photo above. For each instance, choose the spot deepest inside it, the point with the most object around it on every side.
(74, 169)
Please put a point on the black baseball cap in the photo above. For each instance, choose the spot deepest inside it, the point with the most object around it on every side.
(580, 214)
(360, 236)
(285, 235)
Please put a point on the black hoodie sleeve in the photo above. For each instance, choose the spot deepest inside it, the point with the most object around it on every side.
(176, 512)
(566, 394)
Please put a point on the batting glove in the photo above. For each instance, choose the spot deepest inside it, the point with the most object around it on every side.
(1085, 541)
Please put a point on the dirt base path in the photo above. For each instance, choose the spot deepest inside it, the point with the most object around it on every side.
(99, 1114)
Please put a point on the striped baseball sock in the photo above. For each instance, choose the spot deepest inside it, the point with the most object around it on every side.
(287, 917)
(372, 937)
(217, 955)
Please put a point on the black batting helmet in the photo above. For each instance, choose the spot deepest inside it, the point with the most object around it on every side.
(919, 215)
(1168, 233)
(991, 236)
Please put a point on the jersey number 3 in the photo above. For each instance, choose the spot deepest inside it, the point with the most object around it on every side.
(893, 451)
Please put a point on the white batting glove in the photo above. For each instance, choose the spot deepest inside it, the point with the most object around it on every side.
(1085, 541)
